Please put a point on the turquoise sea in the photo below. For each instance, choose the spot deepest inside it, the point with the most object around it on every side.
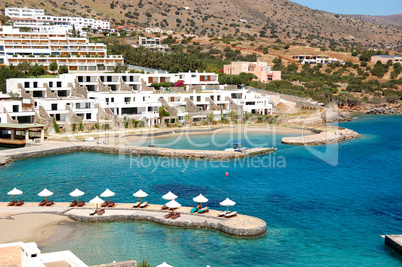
(317, 214)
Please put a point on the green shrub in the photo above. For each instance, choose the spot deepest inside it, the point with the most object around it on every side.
(56, 126)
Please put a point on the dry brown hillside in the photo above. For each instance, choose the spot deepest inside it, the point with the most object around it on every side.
(271, 20)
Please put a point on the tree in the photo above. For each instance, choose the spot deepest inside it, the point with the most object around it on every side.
(63, 69)
(4, 19)
(53, 67)
(187, 118)
(37, 70)
(162, 113)
(232, 115)
(7, 73)
(210, 117)
(24, 66)
(120, 68)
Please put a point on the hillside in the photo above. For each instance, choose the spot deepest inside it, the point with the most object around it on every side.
(270, 20)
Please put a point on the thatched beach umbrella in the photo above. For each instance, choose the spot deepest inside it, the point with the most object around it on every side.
(45, 193)
(107, 194)
(169, 196)
(77, 193)
(140, 194)
(227, 202)
(173, 204)
(15, 192)
(164, 264)
(97, 200)
(200, 199)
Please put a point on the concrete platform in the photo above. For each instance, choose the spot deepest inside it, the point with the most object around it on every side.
(395, 242)
(240, 225)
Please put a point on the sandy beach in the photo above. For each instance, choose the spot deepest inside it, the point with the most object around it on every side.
(30, 227)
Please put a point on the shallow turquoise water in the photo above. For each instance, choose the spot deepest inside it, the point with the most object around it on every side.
(317, 214)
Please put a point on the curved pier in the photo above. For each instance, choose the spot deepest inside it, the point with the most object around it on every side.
(240, 225)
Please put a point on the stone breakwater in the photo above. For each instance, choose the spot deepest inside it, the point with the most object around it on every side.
(55, 148)
(330, 135)
(241, 225)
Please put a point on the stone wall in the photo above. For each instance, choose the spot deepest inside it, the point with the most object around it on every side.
(119, 264)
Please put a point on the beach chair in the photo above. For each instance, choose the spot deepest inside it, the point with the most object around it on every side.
(74, 203)
(175, 216)
(50, 203)
(136, 205)
(206, 209)
(105, 204)
(164, 207)
(231, 214)
(93, 213)
(12, 203)
(144, 205)
(101, 212)
(167, 216)
(42, 203)
(20, 203)
(81, 204)
(111, 204)
(193, 210)
(222, 214)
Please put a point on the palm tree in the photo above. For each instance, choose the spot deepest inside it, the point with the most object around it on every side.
(210, 117)
(162, 113)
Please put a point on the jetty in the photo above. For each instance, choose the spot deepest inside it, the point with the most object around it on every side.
(327, 135)
(56, 147)
(239, 225)
(394, 241)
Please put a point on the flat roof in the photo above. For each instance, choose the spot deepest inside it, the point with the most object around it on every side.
(20, 126)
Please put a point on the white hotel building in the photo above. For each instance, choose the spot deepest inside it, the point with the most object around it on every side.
(91, 97)
(38, 21)
(43, 48)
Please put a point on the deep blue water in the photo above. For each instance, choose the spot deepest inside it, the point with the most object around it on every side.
(317, 214)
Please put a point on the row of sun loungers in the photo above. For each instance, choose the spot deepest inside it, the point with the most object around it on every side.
(140, 205)
(15, 203)
(108, 204)
(79, 204)
(228, 214)
(99, 212)
(197, 210)
(172, 216)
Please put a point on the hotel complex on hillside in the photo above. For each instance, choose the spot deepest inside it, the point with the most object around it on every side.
(38, 21)
(78, 54)
(93, 97)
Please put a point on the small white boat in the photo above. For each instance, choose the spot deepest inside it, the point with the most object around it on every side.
(237, 147)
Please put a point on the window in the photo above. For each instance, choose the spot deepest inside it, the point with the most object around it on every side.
(109, 78)
(131, 78)
(124, 78)
(59, 84)
(54, 106)
(50, 84)
(16, 108)
(191, 98)
(112, 99)
(127, 99)
(26, 84)
(212, 97)
(198, 98)
(219, 98)
(88, 116)
(35, 85)
(193, 75)
(88, 79)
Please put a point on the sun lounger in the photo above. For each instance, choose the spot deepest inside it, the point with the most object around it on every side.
(222, 214)
(104, 204)
(175, 216)
(42, 203)
(12, 203)
(231, 214)
(143, 205)
(74, 203)
(167, 216)
(164, 207)
(81, 204)
(111, 204)
(136, 205)
(50, 203)
(93, 213)
(20, 203)
(193, 210)
(101, 212)
(206, 209)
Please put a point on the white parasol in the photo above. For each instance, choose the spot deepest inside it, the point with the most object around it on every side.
(227, 202)
(15, 192)
(200, 199)
(97, 200)
(169, 196)
(140, 194)
(77, 193)
(173, 204)
(45, 193)
(164, 264)
(107, 194)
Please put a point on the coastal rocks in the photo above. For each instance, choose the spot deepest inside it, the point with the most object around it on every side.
(325, 137)
(130, 263)
(383, 111)
(5, 160)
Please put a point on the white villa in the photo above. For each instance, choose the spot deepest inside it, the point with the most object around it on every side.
(93, 97)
